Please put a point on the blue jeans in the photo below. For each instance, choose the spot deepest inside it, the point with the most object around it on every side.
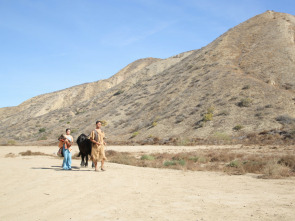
(66, 165)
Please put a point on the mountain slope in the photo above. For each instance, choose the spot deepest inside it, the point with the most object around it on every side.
(243, 79)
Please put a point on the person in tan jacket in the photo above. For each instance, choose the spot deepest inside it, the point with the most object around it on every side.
(98, 144)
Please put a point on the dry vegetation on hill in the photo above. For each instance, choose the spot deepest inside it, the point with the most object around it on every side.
(239, 88)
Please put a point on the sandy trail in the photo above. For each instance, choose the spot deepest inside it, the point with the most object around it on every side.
(35, 188)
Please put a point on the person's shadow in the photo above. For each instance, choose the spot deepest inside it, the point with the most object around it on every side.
(59, 168)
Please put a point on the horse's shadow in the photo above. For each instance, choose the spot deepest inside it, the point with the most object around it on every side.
(59, 168)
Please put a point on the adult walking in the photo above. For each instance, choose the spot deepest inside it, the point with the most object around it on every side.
(97, 151)
(66, 165)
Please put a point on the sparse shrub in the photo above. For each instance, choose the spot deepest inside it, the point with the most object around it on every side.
(189, 66)
(155, 123)
(253, 165)
(285, 119)
(31, 153)
(230, 161)
(246, 87)
(118, 92)
(43, 137)
(195, 158)
(74, 131)
(11, 142)
(104, 123)
(268, 106)
(238, 127)
(199, 124)
(207, 117)
(68, 122)
(274, 170)
(259, 115)
(42, 130)
(288, 160)
(169, 163)
(287, 86)
(147, 157)
(234, 163)
(180, 118)
(202, 159)
(245, 102)
(183, 142)
(210, 110)
(79, 112)
(181, 162)
(134, 134)
(221, 136)
(12, 155)
(224, 113)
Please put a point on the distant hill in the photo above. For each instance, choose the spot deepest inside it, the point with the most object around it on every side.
(241, 83)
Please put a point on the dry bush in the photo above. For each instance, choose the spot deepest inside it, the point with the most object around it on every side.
(30, 153)
(272, 170)
(245, 102)
(122, 158)
(11, 142)
(288, 160)
(12, 155)
(229, 161)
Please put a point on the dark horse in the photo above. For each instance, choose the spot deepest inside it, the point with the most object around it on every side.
(85, 146)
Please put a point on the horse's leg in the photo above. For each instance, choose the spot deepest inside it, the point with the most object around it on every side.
(82, 160)
(86, 165)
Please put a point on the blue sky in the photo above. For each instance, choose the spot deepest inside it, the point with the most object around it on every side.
(49, 45)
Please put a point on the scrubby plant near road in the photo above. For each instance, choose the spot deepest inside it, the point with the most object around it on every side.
(231, 161)
(183, 142)
(32, 153)
(234, 163)
(245, 102)
(274, 170)
(169, 163)
(220, 137)
(194, 158)
(147, 157)
(174, 162)
(11, 142)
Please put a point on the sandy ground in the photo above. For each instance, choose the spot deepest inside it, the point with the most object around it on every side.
(35, 188)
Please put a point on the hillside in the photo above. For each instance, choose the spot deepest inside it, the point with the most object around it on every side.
(243, 82)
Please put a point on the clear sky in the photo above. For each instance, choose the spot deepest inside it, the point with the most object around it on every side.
(49, 45)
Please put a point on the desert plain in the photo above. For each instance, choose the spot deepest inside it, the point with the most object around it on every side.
(36, 188)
